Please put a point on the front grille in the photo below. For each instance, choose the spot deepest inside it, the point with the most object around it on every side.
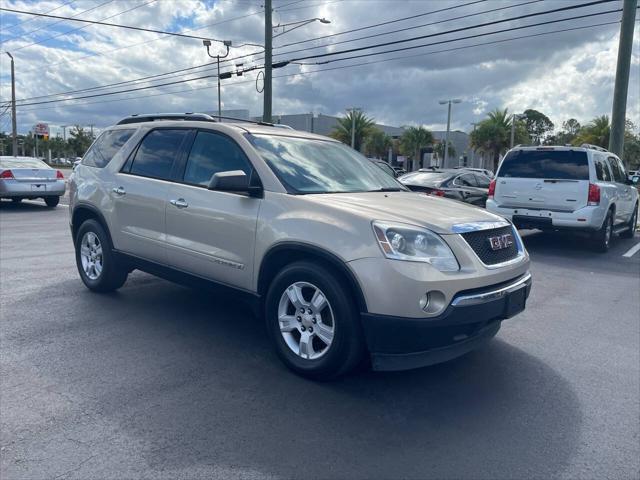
(479, 241)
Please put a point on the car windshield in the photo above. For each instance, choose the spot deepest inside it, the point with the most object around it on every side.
(425, 178)
(306, 165)
(13, 162)
(542, 163)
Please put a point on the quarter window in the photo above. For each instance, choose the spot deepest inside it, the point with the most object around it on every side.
(212, 153)
(106, 146)
(483, 181)
(602, 171)
(466, 180)
(157, 152)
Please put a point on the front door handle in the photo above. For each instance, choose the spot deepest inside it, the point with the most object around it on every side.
(119, 191)
(179, 203)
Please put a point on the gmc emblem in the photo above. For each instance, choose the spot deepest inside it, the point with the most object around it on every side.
(501, 241)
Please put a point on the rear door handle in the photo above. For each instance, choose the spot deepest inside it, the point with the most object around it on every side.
(119, 191)
(179, 203)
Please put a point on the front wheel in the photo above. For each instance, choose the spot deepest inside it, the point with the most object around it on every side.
(602, 238)
(95, 260)
(631, 226)
(313, 321)
(52, 201)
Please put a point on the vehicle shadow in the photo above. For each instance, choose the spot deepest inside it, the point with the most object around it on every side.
(24, 206)
(187, 383)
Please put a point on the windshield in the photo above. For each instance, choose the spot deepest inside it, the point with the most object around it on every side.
(307, 165)
(556, 164)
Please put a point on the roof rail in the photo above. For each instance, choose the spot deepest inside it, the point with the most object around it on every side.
(152, 117)
(593, 147)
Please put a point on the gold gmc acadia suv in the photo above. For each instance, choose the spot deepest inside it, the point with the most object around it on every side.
(341, 260)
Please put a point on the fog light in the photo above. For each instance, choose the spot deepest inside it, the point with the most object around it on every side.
(432, 302)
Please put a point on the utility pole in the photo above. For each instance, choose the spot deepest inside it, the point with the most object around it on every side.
(268, 59)
(514, 117)
(353, 111)
(619, 109)
(64, 132)
(446, 138)
(91, 126)
(14, 126)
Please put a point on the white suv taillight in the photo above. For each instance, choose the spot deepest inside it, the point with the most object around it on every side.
(492, 188)
(594, 195)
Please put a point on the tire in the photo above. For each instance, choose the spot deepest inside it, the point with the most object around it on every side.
(97, 266)
(336, 319)
(631, 227)
(52, 201)
(602, 238)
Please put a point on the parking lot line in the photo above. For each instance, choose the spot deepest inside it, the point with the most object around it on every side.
(632, 251)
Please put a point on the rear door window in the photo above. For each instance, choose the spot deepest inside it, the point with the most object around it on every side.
(618, 172)
(552, 164)
(467, 180)
(157, 153)
(483, 181)
(106, 146)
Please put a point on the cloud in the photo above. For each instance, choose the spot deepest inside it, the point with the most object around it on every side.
(564, 75)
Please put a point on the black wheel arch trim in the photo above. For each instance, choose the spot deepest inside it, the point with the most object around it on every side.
(87, 206)
(312, 250)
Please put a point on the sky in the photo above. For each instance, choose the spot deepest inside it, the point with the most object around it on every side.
(567, 74)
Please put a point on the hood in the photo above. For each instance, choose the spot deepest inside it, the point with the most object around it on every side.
(434, 213)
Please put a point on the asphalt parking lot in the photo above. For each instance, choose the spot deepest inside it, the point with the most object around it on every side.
(160, 381)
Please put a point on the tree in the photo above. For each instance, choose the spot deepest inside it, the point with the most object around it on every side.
(493, 135)
(595, 132)
(363, 125)
(412, 141)
(571, 126)
(538, 125)
(438, 149)
(80, 140)
(377, 143)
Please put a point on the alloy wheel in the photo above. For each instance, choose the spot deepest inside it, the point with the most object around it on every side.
(306, 320)
(91, 255)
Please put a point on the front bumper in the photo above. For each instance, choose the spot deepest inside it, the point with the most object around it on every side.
(472, 319)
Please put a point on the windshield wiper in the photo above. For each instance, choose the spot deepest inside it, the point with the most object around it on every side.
(388, 189)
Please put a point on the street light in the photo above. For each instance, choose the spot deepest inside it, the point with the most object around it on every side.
(446, 138)
(227, 43)
(353, 111)
(298, 24)
(514, 117)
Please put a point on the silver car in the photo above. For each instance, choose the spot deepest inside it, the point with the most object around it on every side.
(340, 259)
(30, 178)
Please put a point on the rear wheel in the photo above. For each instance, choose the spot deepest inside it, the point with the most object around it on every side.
(51, 201)
(631, 228)
(602, 238)
(95, 260)
(313, 322)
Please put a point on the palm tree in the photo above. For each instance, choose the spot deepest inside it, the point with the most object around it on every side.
(377, 143)
(363, 125)
(596, 132)
(412, 141)
(438, 149)
(493, 134)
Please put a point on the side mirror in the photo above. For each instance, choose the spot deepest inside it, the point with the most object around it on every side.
(236, 181)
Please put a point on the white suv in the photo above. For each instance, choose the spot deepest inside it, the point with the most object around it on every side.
(338, 257)
(576, 188)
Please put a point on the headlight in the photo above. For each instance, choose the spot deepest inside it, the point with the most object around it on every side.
(415, 244)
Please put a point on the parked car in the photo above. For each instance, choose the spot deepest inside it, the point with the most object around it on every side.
(384, 166)
(462, 185)
(633, 173)
(30, 178)
(483, 171)
(399, 171)
(583, 189)
(340, 258)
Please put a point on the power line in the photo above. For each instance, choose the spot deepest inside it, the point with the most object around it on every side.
(284, 53)
(309, 72)
(54, 23)
(32, 19)
(462, 29)
(62, 34)
(284, 63)
(106, 24)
